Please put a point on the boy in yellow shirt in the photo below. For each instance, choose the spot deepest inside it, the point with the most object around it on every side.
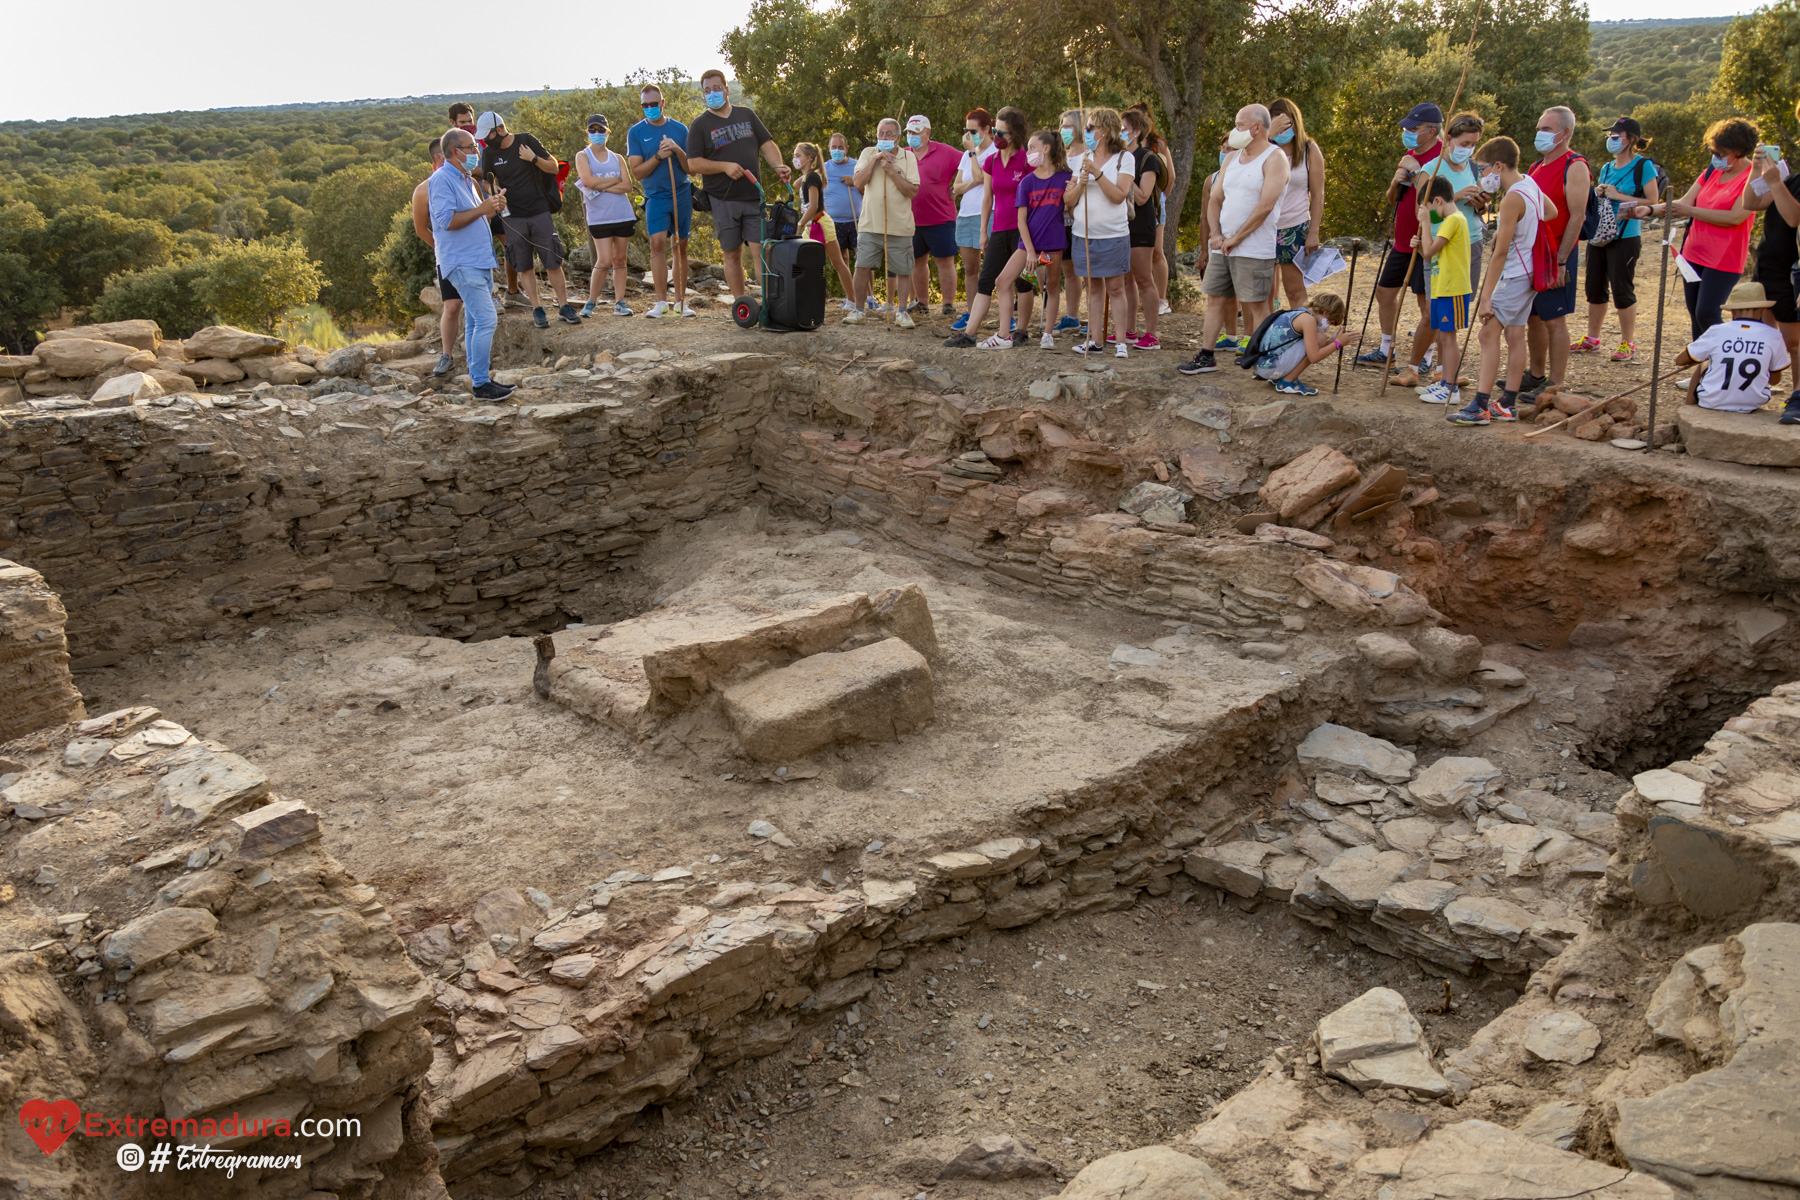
(1446, 247)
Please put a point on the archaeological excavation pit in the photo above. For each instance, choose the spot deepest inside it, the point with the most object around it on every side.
(771, 774)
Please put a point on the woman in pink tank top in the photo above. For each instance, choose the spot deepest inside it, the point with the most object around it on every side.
(1718, 238)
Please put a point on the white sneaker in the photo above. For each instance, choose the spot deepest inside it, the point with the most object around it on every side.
(1047, 342)
(659, 309)
(904, 320)
(996, 342)
(1163, 309)
(846, 306)
(683, 310)
(1437, 393)
(854, 317)
(1121, 351)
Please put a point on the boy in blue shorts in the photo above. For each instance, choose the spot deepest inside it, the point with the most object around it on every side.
(1444, 243)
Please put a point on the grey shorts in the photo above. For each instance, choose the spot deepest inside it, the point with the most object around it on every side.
(1513, 299)
(1231, 277)
(968, 232)
(899, 252)
(526, 236)
(736, 222)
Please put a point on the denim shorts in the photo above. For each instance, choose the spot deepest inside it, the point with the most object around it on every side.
(968, 232)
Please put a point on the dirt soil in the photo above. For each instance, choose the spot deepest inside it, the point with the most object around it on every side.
(1080, 1037)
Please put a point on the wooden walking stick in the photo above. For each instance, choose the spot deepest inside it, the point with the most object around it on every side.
(1662, 296)
(1436, 164)
(1087, 241)
(677, 247)
(1655, 373)
(1350, 290)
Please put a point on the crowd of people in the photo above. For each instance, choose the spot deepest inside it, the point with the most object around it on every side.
(1077, 212)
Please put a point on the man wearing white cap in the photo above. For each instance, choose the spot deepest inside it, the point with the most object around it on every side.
(519, 165)
(934, 214)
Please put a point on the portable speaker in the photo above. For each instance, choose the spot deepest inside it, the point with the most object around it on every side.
(795, 291)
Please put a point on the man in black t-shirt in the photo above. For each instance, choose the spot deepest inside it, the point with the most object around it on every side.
(518, 165)
(723, 145)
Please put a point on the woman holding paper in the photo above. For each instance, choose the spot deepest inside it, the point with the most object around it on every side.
(1299, 212)
(1718, 237)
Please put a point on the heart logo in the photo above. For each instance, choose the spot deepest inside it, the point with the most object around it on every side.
(49, 1125)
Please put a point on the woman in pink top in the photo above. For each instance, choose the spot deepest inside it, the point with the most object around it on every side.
(1718, 236)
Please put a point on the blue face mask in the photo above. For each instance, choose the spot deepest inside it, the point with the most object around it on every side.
(884, 144)
(837, 156)
(1544, 141)
(1092, 139)
(1719, 163)
(715, 99)
(1614, 144)
(472, 161)
(1223, 155)
(653, 112)
(1283, 138)
(1461, 154)
(596, 139)
(914, 140)
(1409, 138)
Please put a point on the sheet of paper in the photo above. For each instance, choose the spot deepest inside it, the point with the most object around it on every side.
(1321, 264)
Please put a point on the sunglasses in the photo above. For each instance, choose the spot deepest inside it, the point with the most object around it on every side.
(651, 104)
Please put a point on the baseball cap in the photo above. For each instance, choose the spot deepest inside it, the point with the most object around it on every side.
(597, 119)
(486, 123)
(1626, 126)
(1423, 114)
(918, 123)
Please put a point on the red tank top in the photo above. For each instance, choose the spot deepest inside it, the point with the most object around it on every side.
(1549, 175)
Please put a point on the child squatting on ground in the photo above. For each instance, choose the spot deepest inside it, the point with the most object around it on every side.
(1300, 337)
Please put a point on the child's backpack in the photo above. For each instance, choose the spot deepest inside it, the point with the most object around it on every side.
(1254, 347)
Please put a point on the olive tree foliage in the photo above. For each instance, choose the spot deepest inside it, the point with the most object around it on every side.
(1759, 69)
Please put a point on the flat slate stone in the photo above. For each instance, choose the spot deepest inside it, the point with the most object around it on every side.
(1755, 438)
(1349, 752)
(1707, 877)
(873, 693)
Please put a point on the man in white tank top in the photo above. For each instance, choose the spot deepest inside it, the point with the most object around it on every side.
(1241, 209)
(1506, 294)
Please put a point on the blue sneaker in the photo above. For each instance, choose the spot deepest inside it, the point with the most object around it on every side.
(961, 323)
(1229, 344)
(1295, 387)
(1371, 358)
(1471, 413)
(1066, 324)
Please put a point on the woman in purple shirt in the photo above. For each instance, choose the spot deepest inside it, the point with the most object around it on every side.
(1041, 236)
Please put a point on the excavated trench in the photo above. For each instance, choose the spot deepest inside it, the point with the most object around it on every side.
(351, 609)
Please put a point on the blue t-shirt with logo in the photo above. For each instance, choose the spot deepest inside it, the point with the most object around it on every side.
(642, 140)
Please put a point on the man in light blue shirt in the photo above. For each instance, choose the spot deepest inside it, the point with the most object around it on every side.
(465, 251)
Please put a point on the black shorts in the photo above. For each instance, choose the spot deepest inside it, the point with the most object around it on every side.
(1778, 285)
(618, 229)
(1001, 244)
(937, 241)
(845, 231)
(1613, 268)
(447, 290)
(1393, 269)
(1559, 302)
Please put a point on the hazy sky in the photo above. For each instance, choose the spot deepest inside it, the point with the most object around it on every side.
(192, 54)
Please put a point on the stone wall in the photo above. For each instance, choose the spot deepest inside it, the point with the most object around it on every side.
(35, 688)
(164, 523)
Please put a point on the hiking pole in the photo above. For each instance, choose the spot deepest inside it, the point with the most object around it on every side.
(1437, 163)
(1662, 296)
(1350, 290)
(1087, 241)
(887, 266)
(1387, 247)
(677, 248)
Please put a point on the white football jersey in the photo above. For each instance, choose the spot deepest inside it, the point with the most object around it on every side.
(1740, 356)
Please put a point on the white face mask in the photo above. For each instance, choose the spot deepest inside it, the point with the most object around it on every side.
(1490, 183)
(799, 163)
(1238, 139)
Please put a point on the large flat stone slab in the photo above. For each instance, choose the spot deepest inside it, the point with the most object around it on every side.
(873, 693)
(1755, 438)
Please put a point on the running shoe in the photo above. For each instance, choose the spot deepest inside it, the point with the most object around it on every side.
(1148, 342)
(1123, 351)
(846, 306)
(621, 309)
(1790, 415)
(1089, 348)
(1019, 338)
(442, 366)
(1163, 309)
(683, 310)
(1586, 345)
(1625, 353)
(1371, 358)
(1047, 342)
(904, 321)
(587, 310)
(1200, 364)
(1066, 324)
(918, 306)
(854, 318)
(539, 319)
(567, 315)
(1295, 387)
(1233, 345)
(961, 323)
(657, 310)
(959, 341)
(872, 304)
(1471, 413)
(1500, 412)
(997, 342)
(517, 300)
(1531, 385)
(1437, 393)
(948, 309)
(493, 391)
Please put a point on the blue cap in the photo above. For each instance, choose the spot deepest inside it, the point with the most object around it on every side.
(1423, 114)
